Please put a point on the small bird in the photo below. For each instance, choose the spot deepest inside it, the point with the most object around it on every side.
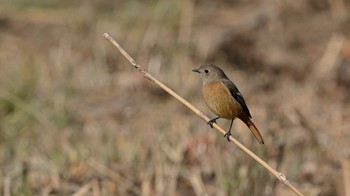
(224, 99)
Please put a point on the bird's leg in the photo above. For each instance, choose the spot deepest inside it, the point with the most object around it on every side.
(228, 133)
(210, 122)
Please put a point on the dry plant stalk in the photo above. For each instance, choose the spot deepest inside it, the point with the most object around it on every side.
(278, 175)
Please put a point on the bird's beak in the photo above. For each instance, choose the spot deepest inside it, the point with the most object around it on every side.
(196, 70)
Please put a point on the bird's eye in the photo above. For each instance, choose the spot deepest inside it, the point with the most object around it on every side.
(206, 71)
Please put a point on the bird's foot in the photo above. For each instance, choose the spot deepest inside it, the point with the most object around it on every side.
(210, 122)
(227, 135)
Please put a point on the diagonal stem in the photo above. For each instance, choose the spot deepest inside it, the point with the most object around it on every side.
(278, 175)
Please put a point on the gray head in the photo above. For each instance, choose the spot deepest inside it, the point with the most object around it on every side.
(210, 73)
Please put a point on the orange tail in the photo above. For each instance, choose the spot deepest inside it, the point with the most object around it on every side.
(255, 131)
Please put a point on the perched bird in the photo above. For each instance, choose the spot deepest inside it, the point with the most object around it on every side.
(224, 99)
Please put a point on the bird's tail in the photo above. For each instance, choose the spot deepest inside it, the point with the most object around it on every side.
(255, 131)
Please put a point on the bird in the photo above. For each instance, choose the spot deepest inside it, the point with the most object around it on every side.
(224, 99)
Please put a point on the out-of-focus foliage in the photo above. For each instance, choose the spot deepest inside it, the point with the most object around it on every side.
(76, 118)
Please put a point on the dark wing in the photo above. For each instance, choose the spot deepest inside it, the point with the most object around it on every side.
(237, 95)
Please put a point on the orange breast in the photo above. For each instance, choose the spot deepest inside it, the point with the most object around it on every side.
(220, 101)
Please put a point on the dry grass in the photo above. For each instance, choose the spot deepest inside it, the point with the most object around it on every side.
(75, 119)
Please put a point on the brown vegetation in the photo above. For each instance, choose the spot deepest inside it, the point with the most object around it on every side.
(75, 118)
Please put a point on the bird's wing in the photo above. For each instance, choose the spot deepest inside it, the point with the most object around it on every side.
(237, 95)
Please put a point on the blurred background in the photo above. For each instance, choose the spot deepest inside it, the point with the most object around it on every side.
(76, 118)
